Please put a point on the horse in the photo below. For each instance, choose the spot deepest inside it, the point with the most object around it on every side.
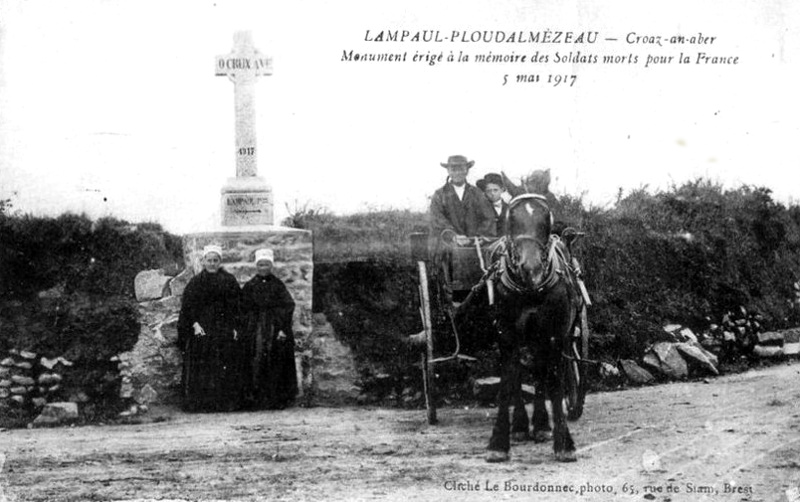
(537, 305)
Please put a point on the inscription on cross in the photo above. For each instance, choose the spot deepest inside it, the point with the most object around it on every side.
(247, 198)
(242, 66)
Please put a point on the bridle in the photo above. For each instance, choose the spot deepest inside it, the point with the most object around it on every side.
(510, 269)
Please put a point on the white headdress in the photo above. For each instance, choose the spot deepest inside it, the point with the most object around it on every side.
(212, 248)
(265, 254)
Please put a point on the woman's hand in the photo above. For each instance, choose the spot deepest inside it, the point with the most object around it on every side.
(198, 330)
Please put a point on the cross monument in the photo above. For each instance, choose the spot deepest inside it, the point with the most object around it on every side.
(247, 198)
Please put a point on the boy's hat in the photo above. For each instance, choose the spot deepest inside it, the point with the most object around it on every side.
(493, 178)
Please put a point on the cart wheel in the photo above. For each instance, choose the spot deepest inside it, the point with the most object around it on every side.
(427, 356)
(575, 392)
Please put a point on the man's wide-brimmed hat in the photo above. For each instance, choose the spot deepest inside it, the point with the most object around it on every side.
(457, 160)
(491, 178)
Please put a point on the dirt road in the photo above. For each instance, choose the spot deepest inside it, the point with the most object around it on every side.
(732, 438)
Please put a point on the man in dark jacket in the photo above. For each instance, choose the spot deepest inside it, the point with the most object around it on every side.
(458, 208)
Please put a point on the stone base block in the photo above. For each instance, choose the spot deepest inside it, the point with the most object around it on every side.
(247, 201)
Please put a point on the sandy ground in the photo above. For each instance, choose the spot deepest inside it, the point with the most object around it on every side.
(730, 438)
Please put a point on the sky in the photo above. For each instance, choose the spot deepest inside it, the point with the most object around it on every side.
(112, 108)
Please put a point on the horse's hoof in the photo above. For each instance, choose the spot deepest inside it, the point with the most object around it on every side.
(542, 436)
(566, 456)
(520, 437)
(497, 456)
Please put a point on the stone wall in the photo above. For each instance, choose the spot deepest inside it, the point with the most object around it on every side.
(151, 371)
(294, 265)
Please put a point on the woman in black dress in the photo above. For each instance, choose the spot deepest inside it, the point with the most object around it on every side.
(268, 309)
(207, 338)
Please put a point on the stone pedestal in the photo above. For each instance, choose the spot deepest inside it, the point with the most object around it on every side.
(293, 265)
(246, 201)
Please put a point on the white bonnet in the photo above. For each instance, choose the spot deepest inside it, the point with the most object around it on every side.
(265, 254)
(212, 248)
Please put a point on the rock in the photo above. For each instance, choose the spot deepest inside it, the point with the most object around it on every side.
(768, 351)
(19, 390)
(728, 336)
(27, 355)
(7, 362)
(48, 363)
(4, 393)
(24, 365)
(65, 361)
(133, 410)
(39, 402)
(5, 383)
(319, 320)
(49, 378)
(22, 380)
(52, 293)
(18, 399)
(126, 390)
(634, 372)
(331, 367)
(178, 283)
(688, 335)
(79, 397)
(663, 358)
(609, 371)
(791, 335)
(672, 328)
(57, 414)
(528, 392)
(150, 285)
(146, 395)
(697, 357)
(54, 388)
(486, 389)
(4, 372)
(770, 338)
(791, 349)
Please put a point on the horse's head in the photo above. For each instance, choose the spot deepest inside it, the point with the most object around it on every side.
(529, 222)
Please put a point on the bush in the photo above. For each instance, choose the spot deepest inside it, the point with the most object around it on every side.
(67, 289)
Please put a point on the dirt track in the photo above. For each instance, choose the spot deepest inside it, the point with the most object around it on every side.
(740, 431)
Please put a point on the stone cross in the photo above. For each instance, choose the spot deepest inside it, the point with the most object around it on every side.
(242, 66)
(247, 198)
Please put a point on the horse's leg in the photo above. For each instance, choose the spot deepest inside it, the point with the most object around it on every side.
(541, 420)
(520, 425)
(500, 444)
(563, 446)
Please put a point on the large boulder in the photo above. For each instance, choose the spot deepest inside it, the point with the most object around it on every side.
(57, 414)
(667, 361)
(635, 373)
(150, 285)
(178, 283)
(332, 366)
(698, 358)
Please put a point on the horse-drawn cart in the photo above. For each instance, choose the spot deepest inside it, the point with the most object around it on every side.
(460, 281)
